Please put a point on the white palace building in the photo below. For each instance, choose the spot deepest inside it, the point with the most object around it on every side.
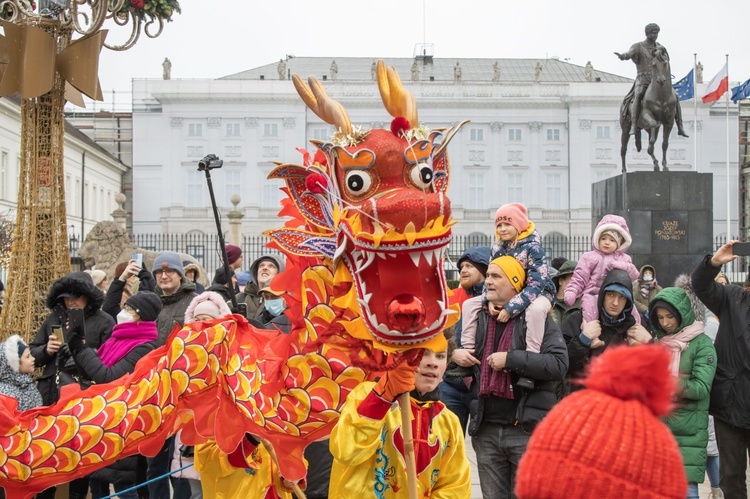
(536, 137)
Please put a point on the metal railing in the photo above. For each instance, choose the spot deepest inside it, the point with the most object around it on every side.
(205, 249)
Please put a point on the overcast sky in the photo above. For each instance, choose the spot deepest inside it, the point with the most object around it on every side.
(215, 38)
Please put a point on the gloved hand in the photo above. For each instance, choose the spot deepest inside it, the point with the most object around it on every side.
(148, 283)
(64, 351)
(76, 341)
(395, 382)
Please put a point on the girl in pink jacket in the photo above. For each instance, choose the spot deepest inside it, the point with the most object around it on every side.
(610, 240)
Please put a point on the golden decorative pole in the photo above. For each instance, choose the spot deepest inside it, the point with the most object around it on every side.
(46, 67)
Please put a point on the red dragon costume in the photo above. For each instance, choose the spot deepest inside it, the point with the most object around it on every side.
(370, 223)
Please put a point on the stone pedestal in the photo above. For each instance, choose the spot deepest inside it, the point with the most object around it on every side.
(235, 222)
(670, 216)
(120, 215)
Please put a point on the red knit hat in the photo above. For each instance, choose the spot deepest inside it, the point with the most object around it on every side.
(607, 440)
(514, 214)
(234, 253)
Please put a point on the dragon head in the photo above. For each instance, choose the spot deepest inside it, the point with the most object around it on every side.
(374, 202)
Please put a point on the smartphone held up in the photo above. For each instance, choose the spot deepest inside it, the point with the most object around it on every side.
(741, 249)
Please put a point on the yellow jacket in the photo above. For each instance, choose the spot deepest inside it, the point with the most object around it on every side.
(221, 480)
(367, 446)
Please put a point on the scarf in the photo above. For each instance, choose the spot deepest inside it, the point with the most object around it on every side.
(491, 382)
(646, 287)
(678, 342)
(125, 337)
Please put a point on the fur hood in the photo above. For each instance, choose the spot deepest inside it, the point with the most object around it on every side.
(78, 283)
(699, 309)
(210, 296)
(195, 267)
(653, 273)
(617, 224)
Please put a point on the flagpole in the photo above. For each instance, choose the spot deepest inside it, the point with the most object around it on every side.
(695, 112)
(729, 204)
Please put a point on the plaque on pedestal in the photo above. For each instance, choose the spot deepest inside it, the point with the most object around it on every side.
(670, 216)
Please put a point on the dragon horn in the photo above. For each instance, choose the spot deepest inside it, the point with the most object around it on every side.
(320, 103)
(397, 100)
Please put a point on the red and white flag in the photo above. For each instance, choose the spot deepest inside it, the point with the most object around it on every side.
(718, 86)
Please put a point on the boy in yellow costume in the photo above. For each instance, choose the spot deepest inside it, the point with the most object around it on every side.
(241, 474)
(367, 443)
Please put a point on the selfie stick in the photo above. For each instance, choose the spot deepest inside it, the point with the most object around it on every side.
(206, 165)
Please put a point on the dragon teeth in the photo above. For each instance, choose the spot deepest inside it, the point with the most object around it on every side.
(415, 255)
(370, 257)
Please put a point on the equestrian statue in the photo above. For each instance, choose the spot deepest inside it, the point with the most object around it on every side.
(652, 102)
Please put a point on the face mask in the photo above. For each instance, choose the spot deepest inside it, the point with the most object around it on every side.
(275, 307)
(124, 316)
(648, 278)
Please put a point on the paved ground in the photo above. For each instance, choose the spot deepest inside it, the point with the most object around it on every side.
(476, 493)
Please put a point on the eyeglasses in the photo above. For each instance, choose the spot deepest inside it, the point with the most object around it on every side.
(167, 272)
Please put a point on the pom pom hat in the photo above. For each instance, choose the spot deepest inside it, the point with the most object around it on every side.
(607, 440)
(513, 214)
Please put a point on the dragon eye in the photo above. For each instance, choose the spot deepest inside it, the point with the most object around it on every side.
(422, 175)
(358, 182)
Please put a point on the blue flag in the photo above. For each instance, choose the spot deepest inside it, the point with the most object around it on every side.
(741, 92)
(685, 88)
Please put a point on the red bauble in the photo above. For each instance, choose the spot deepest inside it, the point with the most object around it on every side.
(138, 4)
(316, 183)
(399, 125)
(406, 313)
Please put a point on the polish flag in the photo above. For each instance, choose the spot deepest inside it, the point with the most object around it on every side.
(718, 86)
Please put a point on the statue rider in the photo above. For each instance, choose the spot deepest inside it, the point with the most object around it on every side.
(642, 53)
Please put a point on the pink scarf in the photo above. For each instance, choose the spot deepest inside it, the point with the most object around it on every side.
(678, 342)
(125, 337)
(646, 287)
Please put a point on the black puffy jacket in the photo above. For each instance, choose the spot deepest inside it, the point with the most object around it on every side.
(612, 333)
(98, 326)
(547, 368)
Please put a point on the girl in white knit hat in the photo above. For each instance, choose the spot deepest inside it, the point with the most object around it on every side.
(16, 366)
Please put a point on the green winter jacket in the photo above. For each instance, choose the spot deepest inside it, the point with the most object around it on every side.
(689, 421)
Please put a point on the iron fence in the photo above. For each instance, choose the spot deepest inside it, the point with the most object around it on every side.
(205, 249)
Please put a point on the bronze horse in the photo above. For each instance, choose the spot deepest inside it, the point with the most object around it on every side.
(658, 109)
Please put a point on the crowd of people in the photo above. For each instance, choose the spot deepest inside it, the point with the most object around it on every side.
(568, 376)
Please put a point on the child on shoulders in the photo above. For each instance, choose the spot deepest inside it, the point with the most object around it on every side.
(517, 237)
(610, 241)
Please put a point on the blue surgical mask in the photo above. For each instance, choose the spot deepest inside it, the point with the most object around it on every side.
(275, 307)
